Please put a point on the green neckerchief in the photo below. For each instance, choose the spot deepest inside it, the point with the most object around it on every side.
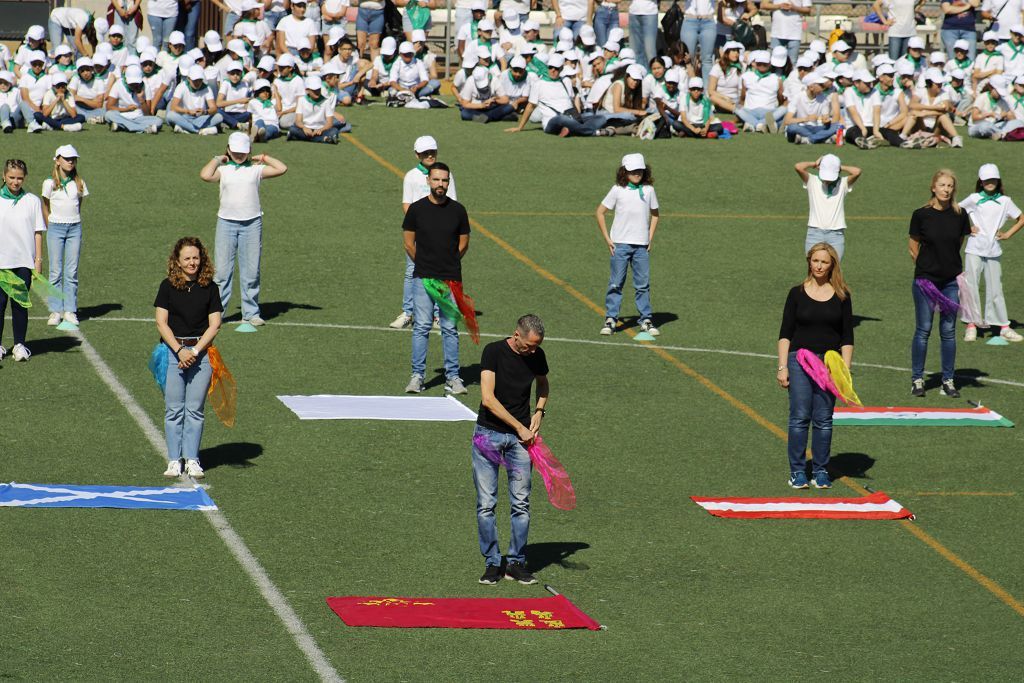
(188, 84)
(989, 54)
(35, 75)
(1016, 49)
(387, 64)
(830, 188)
(986, 197)
(472, 27)
(883, 92)
(707, 111)
(288, 77)
(840, 89)
(764, 75)
(1019, 99)
(638, 188)
(66, 67)
(312, 56)
(64, 183)
(734, 65)
(916, 61)
(118, 47)
(958, 91)
(244, 164)
(7, 194)
(861, 95)
(314, 102)
(422, 169)
(835, 62)
(994, 101)
(963, 63)
(267, 103)
(537, 67)
(608, 63)
(514, 79)
(547, 77)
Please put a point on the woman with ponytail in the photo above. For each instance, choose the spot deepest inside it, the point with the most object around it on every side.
(937, 232)
(63, 194)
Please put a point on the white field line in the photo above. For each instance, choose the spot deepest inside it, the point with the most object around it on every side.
(595, 342)
(270, 592)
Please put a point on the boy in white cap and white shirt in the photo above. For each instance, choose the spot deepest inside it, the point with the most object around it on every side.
(635, 204)
(961, 59)
(314, 115)
(193, 107)
(57, 111)
(429, 59)
(478, 99)
(289, 88)
(915, 56)
(168, 57)
(813, 116)
(960, 93)
(266, 120)
(159, 82)
(33, 84)
(826, 197)
(127, 107)
(380, 74)
(35, 40)
(863, 111)
(513, 86)
(408, 74)
(120, 50)
(989, 61)
(233, 97)
(415, 188)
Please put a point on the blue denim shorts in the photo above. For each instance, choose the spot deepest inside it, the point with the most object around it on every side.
(370, 20)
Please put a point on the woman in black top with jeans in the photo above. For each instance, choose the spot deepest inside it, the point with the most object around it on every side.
(818, 317)
(937, 232)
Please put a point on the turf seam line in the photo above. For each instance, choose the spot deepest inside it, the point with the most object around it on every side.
(566, 340)
(271, 593)
(917, 531)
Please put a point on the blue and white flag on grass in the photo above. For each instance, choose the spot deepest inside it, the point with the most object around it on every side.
(128, 497)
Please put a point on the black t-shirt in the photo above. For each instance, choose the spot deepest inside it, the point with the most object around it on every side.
(817, 326)
(513, 377)
(941, 233)
(437, 228)
(188, 309)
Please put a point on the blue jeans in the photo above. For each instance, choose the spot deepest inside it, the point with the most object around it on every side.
(136, 125)
(63, 245)
(924, 315)
(497, 112)
(950, 36)
(704, 31)
(233, 118)
(11, 118)
(229, 23)
(557, 123)
(407, 290)
(296, 133)
(836, 238)
(91, 113)
(161, 28)
(244, 239)
(792, 47)
(605, 19)
(986, 129)
(188, 23)
(574, 25)
(184, 398)
(19, 314)
(757, 116)
(423, 318)
(637, 256)
(58, 124)
(898, 47)
(809, 405)
(370, 21)
(815, 133)
(194, 124)
(271, 19)
(643, 36)
(432, 86)
(131, 31)
(270, 131)
(57, 34)
(485, 477)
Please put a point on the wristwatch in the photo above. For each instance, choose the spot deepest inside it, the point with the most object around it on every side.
(542, 412)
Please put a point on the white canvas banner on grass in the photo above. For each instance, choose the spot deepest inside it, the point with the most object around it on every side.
(422, 408)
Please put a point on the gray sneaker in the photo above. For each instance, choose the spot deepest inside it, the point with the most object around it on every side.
(455, 387)
(415, 385)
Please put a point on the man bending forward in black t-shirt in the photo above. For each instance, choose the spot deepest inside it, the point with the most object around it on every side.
(507, 371)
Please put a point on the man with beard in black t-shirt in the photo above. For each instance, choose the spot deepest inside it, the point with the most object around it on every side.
(436, 237)
(508, 369)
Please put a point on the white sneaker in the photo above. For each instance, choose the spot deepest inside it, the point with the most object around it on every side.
(401, 322)
(53, 320)
(1009, 335)
(760, 128)
(798, 139)
(3, 352)
(773, 125)
(21, 352)
(608, 327)
(173, 469)
(747, 128)
(415, 385)
(179, 129)
(971, 333)
(957, 141)
(256, 321)
(73, 128)
(114, 128)
(209, 130)
(95, 120)
(70, 317)
(152, 130)
(192, 469)
(648, 327)
(34, 127)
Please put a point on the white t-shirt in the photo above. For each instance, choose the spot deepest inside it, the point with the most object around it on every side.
(266, 114)
(988, 217)
(37, 87)
(334, 6)
(550, 98)
(924, 98)
(473, 93)
(695, 111)
(11, 98)
(193, 100)
(789, 25)
(902, 13)
(296, 32)
(1013, 59)
(126, 98)
(240, 192)
(762, 92)
(632, 222)
(289, 90)
(162, 8)
(230, 92)
(87, 91)
(659, 93)
(408, 75)
(802, 105)
(573, 10)
(315, 115)
(826, 213)
(512, 90)
(1009, 12)
(864, 104)
(643, 7)
(890, 105)
(19, 223)
(59, 111)
(65, 204)
(728, 85)
(699, 8)
(415, 187)
(73, 17)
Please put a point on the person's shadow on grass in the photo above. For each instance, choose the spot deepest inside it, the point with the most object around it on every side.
(97, 311)
(40, 347)
(542, 555)
(238, 454)
(470, 374)
(853, 465)
(659, 320)
(964, 377)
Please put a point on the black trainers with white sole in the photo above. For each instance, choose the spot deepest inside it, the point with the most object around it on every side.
(492, 575)
(516, 571)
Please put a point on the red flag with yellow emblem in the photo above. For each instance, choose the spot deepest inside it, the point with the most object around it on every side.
(524, 614)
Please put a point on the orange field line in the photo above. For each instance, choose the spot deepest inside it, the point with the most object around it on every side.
(926, 538)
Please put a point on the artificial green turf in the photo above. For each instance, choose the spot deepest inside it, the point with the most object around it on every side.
(360, 508)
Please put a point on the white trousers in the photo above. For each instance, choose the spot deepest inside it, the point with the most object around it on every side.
(995, 305)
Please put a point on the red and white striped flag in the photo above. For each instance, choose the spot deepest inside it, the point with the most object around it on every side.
(874, 506)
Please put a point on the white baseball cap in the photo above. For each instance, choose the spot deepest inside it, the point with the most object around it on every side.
(84, 62)
(511, 20)
(336, 33)
(935, 76)
(962, 45)
(331, 69)
(35, 32)
(880, 59)
(864, 75)
(134, 75)
(627, 53)
(176, 38)
(116, 30)
(760, 57)
(1019, 80)
(1018, 29)
(611, 46)
(990, 37)
(239, 143)
(732, 45)
(884, 69)
(988, 172)
(196, 54)
(565, 33)
(7, 76)
(485, 25)
(36, 56)
(235, 65)
(517, 63)
(840, 46)
(266, 63)
(957, 74)
(636, 71)
(530, 25)
(818, 46)
(260, 84)
(634, 162)
(470, 60)
(313, 83)
(844, 70)
(389, 46)
(58, 78)
(100, 59)
(695, 82)
(142, 42)
(937, 57)
(672, 77)
(406, 48)
(616, 35)
(101, 25)
(528, 49)
(147, 55)
(419, 36)
(481, 76)
(69, 152)
(237, 46)
(556, 61)
(286, 60)
(828, 168)
(587, 36)
(806, 61)
(915, 43)
(814, 79)
(904, 68)
(424, 143)
(478, 6)
(196, 73)
(62, 50)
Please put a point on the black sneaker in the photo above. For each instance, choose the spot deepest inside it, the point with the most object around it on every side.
(516, 571)
(492, 575)
(917, 388)
(949, 389)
